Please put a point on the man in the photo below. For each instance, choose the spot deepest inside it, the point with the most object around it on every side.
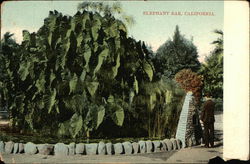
(207, 117)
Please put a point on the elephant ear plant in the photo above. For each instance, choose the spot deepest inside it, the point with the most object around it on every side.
(82, 76)
(72, 74)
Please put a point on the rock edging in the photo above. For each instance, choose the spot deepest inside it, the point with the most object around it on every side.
(101, 148)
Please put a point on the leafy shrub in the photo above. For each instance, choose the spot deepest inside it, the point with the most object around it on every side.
(158, 107)
(190, 81)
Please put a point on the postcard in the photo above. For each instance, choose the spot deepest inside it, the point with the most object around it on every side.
(123, 82)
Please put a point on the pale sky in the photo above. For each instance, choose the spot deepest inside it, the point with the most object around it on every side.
(153, 29)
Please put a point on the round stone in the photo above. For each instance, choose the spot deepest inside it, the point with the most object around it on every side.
(2, 144)
(9, 147)
(110, 148)
(91, 149)
(20, 148)
(16, 146)
(157, 146)
(80, 148)
(149, 146)
(142, 145)
(128, 148)
(118, 148)
(61, 149)
(72, 147)
(169, 144)
(179, 143)
(174, 143)
(101, 148)
(135, 147)
(30, 148)
(164, 146)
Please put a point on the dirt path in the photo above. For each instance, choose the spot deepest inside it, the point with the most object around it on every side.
(187, 155)
(199, 154)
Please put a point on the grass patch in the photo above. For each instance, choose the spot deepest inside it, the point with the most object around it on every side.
(38, 139)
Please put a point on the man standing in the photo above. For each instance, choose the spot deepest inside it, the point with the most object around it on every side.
(207, 117)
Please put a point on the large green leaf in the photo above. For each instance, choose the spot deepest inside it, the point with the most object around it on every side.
(50, 100)
(19, 102)
(76, 123)
(57, 107)
(52, 77)
(118, 115)
(29, 120)
(111, 99)
(79, 39)
(87, 55)
(148, 70)
(73, 83)
(100, 116)
(168, 97)
(87, 38)
(101, 58)
(40, 83)
(64, 128)
(114, 70)
(96, 25)
(83, 75)
(51, 22)
(152, 101)
(131, 96)
(117, 44)
(62, 56)
(135, 85)
(24, 69)
(92, 87)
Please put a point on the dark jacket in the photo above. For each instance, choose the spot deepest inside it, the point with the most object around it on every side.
(207, 115)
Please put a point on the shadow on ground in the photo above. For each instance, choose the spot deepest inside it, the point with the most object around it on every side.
(160, 155)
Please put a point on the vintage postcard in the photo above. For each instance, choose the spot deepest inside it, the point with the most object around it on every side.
(115, 81)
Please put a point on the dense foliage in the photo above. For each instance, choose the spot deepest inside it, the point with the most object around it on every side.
(175, 55)
(82, 72)
(159, 107)
(10, 47)
(212, 69)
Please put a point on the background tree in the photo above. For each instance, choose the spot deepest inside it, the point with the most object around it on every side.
(212, 68)
(175, 55)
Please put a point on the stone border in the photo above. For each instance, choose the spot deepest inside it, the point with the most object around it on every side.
(101, 148)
